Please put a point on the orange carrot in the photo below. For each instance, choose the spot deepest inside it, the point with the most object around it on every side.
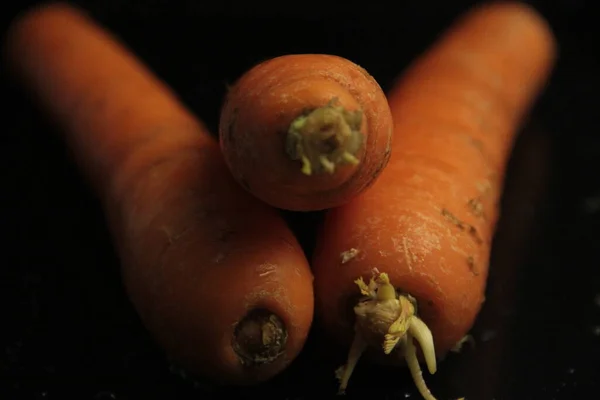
(428, 222)
(306, 131)
(216, 275)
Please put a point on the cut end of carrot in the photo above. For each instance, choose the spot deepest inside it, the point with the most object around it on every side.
(325, 138)
(259, 338)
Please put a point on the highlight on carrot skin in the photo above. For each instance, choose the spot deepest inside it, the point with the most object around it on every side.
(423, 231)
(306, 132)
(216, 276)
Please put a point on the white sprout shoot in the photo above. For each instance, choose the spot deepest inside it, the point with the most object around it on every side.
(388, 321)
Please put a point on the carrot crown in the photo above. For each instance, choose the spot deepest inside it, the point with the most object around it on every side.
(325, 138)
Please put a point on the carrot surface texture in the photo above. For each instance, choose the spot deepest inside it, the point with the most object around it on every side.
(427, 224)
(216, 276)
(306, 132)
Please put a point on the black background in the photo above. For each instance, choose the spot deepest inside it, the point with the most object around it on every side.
(67, 328)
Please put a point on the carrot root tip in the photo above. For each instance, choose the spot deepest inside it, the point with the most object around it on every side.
(325, 138)
(410, 355)
(419, 330)
(359, 345)
(259, 338)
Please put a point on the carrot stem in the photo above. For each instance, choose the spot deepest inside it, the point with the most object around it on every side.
(325, 138)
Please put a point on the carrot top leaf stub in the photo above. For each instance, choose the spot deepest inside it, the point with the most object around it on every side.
(388, 320)
(325, 137)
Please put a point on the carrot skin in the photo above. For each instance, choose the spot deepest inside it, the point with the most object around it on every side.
(263, 104)
(216, 276)
(429, 219)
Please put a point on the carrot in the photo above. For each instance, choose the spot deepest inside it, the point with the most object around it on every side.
(216, 276)
(428, 222)
(306, 132)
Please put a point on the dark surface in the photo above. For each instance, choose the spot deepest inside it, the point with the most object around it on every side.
(67, 328)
